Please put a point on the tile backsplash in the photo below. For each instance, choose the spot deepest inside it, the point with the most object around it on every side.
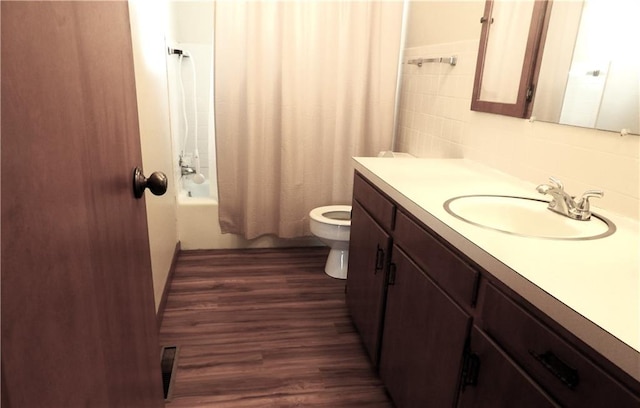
(435, 121)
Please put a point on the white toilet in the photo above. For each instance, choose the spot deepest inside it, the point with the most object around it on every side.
(332, 225)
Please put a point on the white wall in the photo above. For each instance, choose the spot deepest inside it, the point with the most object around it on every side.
(191, 21)
(435, 120)
(436, 22)
(148, 23)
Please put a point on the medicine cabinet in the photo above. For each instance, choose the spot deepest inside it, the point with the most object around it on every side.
(509, 56)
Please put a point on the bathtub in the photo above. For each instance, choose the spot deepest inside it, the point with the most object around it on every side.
(198, 227)
(193, 190)
(197, 213)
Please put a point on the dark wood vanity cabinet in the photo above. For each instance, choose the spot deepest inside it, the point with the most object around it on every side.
(413, 330)
(369, 251)
(444, 332)
(366, 280)
(423, 340)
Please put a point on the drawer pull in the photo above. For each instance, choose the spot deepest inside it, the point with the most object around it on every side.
(569, 376)
(379, 259)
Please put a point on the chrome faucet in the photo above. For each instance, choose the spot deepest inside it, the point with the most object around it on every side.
(185, 169)
(565, 204)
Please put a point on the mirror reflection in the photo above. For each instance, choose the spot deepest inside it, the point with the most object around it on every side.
(508, 55)
(509, 31)
(590, 72)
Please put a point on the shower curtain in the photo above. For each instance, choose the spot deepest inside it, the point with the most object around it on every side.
(300, 88)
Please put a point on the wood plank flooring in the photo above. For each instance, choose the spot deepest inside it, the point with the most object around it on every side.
(264, 328)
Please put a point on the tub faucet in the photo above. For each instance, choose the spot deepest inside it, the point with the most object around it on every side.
(185, 169)
(565, 204)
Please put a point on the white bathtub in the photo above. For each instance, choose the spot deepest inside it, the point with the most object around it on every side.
(198, 218)
(193, 190)
(198, 226)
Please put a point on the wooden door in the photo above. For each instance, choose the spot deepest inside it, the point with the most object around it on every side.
(369, 248)
(423, 340)
(78, 324)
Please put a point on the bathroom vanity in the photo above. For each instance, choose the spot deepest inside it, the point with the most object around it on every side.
(452, 314)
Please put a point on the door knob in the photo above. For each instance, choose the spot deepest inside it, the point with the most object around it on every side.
(156, 183)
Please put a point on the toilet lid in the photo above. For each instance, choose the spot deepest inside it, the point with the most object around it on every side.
(332, 214)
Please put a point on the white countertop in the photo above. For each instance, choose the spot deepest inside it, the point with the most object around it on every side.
(591, 287)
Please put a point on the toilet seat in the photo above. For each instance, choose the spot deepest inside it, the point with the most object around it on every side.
(323, 214)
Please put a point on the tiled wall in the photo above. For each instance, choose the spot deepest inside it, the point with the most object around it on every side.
(435, 121)
(435, 99)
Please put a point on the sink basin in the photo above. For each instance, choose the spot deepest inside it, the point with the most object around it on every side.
(526, 217)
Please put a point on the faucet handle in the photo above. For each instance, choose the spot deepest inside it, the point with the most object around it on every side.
(556, 182)
(583, 203)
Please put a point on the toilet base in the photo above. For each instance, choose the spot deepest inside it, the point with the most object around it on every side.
(337, 262)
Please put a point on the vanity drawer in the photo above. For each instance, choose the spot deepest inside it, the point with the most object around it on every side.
(377, 205)
(559, 368)
(455, 276)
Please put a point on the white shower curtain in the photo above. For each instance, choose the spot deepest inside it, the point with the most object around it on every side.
(300, 88)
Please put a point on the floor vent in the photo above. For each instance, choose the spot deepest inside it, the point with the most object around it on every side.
(168, 364)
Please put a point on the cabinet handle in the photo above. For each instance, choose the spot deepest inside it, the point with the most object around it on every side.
(392, 274)
(470, 369)
(569, 376)
(379, 259)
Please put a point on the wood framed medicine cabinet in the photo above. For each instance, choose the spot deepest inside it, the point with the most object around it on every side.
(509, 56)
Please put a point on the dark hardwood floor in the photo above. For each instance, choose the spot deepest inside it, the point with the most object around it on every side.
(264, 328)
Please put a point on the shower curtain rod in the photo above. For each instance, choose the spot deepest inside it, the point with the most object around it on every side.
(447, 60)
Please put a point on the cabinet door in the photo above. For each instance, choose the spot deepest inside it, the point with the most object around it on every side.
(498, 381)
(369, 248)
(423, 340)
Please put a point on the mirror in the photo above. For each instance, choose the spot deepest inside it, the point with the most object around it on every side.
(590, 70)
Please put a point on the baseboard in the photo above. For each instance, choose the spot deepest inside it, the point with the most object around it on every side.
(167, 286)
